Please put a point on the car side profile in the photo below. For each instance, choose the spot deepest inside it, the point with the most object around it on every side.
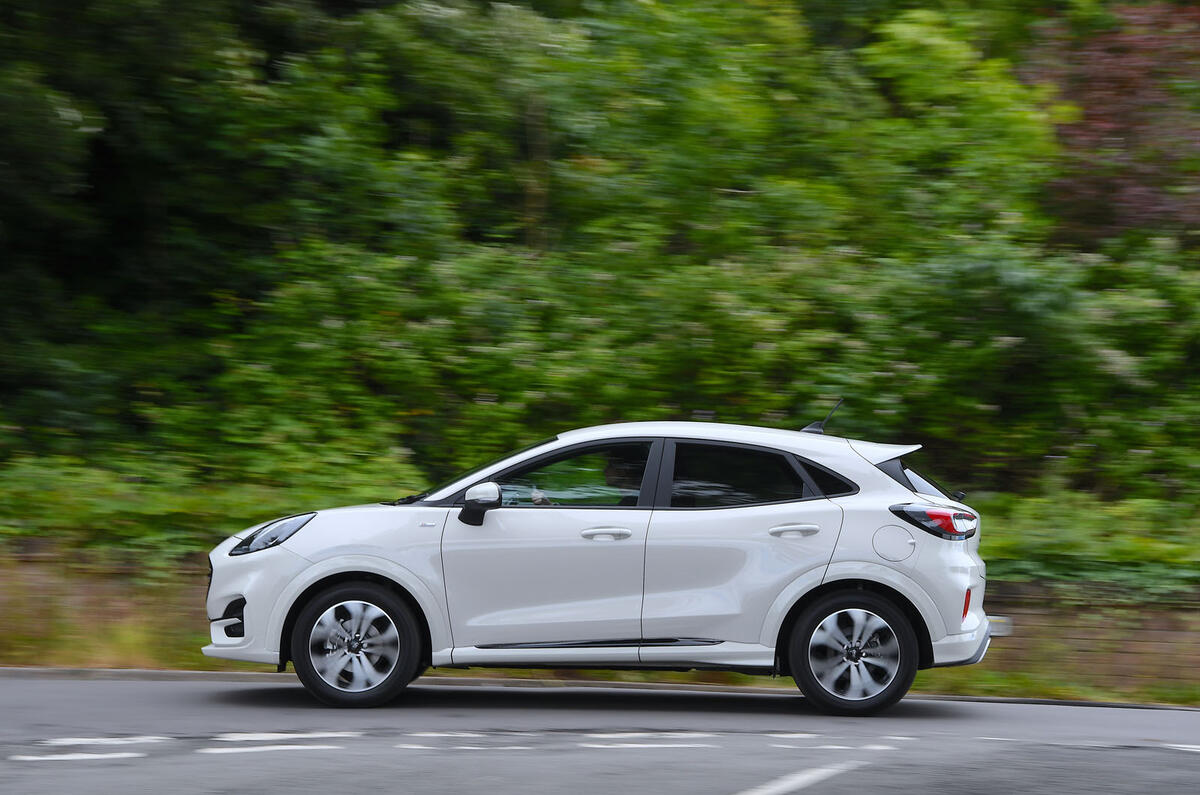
(655, 545)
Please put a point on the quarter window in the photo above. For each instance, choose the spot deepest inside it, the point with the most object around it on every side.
(831, 485)
(605, 476)
(712, 476)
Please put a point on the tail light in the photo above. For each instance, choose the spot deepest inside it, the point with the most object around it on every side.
(942, 522)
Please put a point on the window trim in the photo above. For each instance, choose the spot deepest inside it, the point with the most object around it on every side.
(667, 475)
(646, 496)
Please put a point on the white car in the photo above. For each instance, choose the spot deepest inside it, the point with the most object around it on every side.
(654, 545)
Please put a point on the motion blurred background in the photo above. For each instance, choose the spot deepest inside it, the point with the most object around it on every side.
(262, 257)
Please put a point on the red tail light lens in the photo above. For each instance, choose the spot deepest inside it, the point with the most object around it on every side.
(949, 523)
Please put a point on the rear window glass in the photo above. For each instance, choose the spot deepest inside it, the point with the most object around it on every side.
(923, 484)
(912, 480)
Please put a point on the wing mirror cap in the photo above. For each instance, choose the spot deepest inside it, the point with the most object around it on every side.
(478, 500)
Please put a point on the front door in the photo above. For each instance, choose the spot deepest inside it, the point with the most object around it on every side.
(559, 564)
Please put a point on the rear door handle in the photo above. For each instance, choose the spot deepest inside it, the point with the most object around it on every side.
(606, 533)
(794, 530)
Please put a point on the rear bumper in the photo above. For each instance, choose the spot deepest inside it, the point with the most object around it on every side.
(966, 648)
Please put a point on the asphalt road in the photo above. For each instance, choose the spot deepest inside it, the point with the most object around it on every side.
(259, 736)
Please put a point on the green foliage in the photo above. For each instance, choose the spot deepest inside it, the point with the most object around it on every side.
(150, 512)
(1133, 549)
(264, 257)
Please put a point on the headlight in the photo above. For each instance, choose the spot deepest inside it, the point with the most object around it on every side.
(271, 534)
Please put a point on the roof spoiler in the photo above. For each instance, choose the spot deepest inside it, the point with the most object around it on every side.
(877, 452)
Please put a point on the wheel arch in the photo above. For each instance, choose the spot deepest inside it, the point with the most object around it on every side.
(350, 576)
(924, 641)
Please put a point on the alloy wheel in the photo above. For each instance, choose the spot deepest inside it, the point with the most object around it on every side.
(354, 646)
(854, 654)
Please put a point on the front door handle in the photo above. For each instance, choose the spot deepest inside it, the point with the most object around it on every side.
(608, 533)
(794, 530)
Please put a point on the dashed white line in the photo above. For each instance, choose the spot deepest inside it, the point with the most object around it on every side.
(835, 747)
(75, 757)
(800, 780)
(262, 737)
(635, 735)
(793, 735)
(104, 740)
(647, 745)
(257, 749)
(415, 747)
(445, 734)
(1002, 739)
(1195, 748)
(896, 737)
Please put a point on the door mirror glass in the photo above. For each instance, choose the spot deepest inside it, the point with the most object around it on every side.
(478, 500)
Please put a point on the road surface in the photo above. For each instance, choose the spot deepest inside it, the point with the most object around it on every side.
(268, 736)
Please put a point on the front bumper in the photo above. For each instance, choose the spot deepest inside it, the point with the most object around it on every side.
(257, 578)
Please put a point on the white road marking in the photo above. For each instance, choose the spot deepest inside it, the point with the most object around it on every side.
(411, 747)
(647, 745)
(257, 749)
(75, 757)
(491, 748)
(262, 737)
(445, 734)
(792, 735)
(104, 740)
(634, 735)
(896, 737)
(835, 747)
(1195, 748)
(1003, 739)
(798, 781)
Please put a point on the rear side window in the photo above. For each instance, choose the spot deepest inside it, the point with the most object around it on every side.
(831, 485)
(713, 476)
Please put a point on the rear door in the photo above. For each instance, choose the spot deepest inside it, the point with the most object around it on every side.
(735, 524)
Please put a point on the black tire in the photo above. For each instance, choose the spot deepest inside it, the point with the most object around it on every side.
(396, 673)
(844, 695)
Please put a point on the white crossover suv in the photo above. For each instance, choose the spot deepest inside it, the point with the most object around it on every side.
(668, 545)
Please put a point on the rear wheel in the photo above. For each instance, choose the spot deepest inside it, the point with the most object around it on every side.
(853, 653)
(356, 645)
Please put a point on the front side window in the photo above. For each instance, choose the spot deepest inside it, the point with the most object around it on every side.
(712, 476)
(608, 475)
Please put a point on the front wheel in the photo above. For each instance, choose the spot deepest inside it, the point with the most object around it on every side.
(356, 645)
(853, 653)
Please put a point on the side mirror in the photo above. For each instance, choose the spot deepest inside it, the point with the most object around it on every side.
(478, 500)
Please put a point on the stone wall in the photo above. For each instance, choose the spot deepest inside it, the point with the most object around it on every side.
(1097, 642)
